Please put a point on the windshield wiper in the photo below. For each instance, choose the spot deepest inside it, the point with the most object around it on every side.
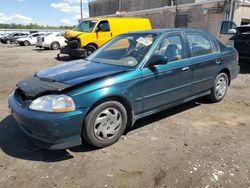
(95, 61)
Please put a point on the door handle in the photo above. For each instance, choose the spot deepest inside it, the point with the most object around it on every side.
(185, 69)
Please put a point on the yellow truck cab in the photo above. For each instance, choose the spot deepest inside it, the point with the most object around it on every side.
(92, 33)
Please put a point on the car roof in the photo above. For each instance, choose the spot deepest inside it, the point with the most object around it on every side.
(170, 30)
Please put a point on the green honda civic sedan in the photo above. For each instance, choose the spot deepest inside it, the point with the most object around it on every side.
(132, 76)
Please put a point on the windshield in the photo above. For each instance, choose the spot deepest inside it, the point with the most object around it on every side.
(125, 50)
(86, 26)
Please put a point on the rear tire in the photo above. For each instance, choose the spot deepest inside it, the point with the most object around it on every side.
(105, 124)
(26, 43)
(55, 45)
(219, 91)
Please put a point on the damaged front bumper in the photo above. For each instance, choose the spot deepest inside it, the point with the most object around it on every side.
(53, 131)
(74, 52)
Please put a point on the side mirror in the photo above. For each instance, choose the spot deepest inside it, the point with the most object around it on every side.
(157, 60)
(232, 31)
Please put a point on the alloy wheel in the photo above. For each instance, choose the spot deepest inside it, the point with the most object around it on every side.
(221, 87)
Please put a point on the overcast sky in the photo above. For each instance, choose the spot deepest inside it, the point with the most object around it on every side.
(45, 12)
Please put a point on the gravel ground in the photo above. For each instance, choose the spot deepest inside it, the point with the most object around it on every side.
(197, 144)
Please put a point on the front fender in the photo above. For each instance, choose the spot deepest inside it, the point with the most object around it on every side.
(88, 99)
(127, 86)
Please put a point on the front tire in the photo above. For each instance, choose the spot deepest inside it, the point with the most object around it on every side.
(218, 92)
(90, 49)
(105, 124)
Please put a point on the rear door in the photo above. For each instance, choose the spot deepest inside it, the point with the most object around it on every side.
(206, 61)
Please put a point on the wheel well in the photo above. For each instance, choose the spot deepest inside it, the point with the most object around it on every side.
(121, 100)
(227, 72)
(93, 44)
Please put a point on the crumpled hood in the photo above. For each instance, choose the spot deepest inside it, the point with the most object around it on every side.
(79, 71)
(72, 34)
(66, 76)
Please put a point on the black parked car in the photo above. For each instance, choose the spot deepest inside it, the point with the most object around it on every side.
(11, 38)
(241, 41)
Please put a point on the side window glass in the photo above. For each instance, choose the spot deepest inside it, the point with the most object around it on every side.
(104, 26)
(199, 45)
(171, 47)
(35, 35)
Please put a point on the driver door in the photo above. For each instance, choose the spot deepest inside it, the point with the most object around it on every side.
(171, 82)
(103, 33)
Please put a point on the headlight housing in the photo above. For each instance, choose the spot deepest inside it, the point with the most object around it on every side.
(53, 103)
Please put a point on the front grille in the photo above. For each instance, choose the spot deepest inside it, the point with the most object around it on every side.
(21, 98)
(73, 43)
(21, 95)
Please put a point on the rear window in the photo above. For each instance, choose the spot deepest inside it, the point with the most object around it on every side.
(61, 34)
(35, 35)
(215, 46)
(199, 45)
(47, 34)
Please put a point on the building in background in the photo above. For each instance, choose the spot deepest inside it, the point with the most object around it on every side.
(204, 14)
(108, 7)
(242, 12)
